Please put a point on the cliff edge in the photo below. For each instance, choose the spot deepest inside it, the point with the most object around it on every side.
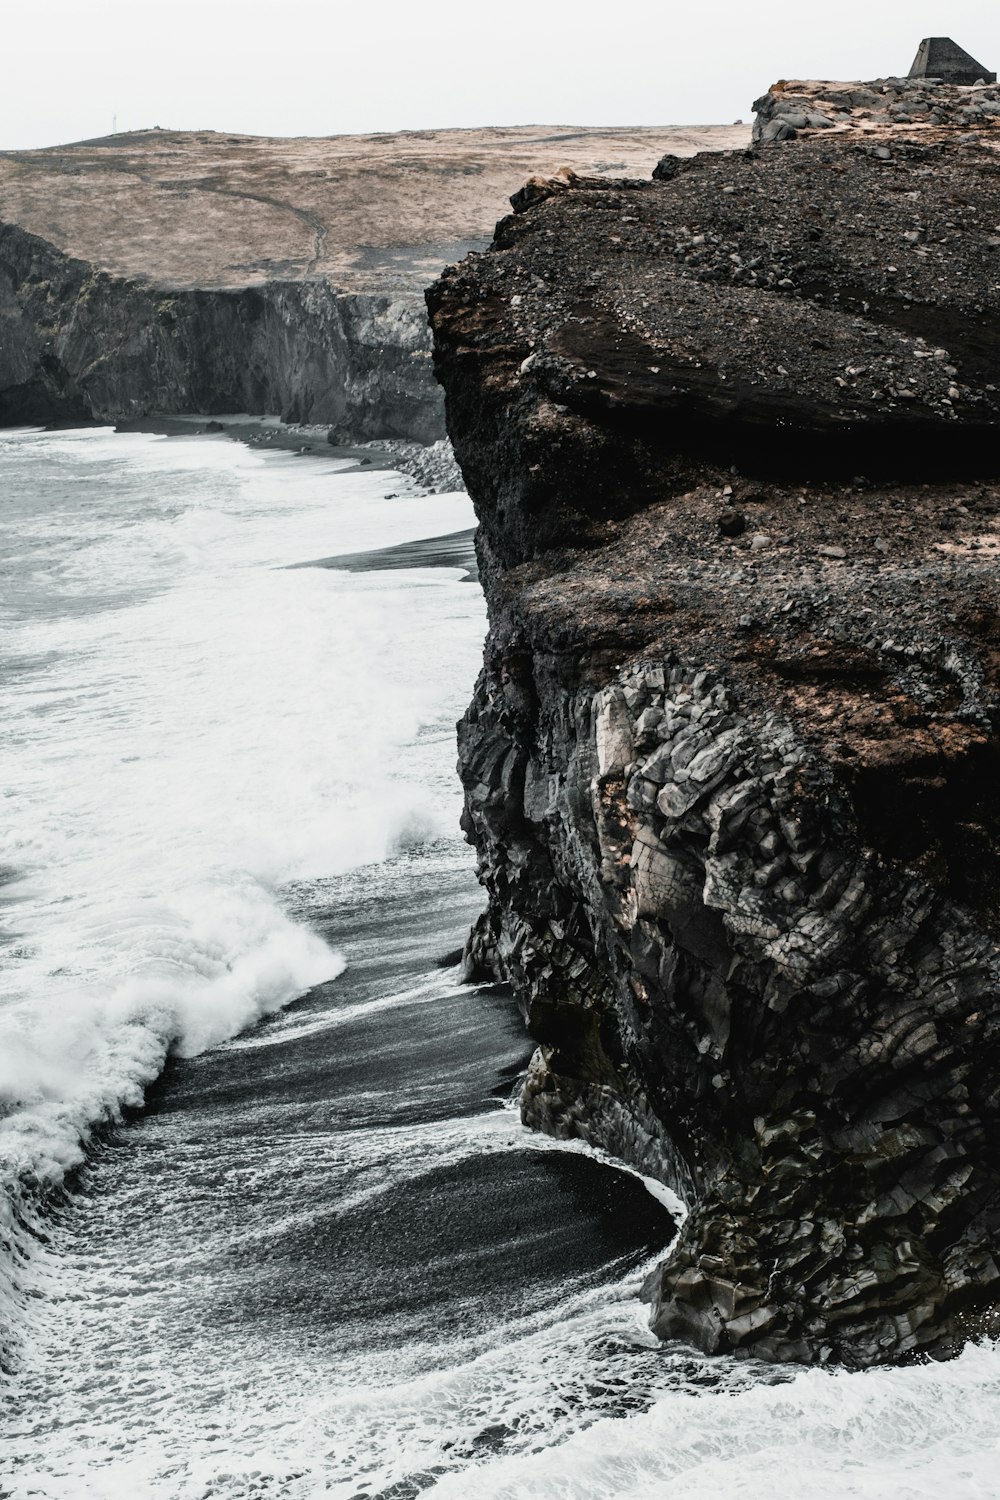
(731, 764)
(169, 271)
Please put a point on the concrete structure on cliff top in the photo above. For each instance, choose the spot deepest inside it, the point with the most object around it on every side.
(940, 57)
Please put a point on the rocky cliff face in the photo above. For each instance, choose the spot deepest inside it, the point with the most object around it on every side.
(730, 767)
(80, 344)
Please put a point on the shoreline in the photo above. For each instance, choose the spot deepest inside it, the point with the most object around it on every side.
(267, 433)
(430, 465)
(85, 1128)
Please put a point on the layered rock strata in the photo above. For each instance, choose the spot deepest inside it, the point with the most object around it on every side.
(730, 767)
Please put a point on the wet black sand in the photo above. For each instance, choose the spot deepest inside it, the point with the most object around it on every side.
(455, 550)
(439, 1242)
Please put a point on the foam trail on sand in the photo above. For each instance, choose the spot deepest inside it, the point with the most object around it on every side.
(187, 727)
(908, 1434)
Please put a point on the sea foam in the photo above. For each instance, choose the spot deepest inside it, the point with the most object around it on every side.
(188, 725)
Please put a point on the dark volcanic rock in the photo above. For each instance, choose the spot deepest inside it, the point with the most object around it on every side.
(83, 345)
(735, 797)
(732, 523)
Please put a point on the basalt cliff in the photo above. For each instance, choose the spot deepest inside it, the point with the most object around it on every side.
(168, 271)
(731, 767)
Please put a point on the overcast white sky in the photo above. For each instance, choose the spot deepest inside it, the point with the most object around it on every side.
(307, 68)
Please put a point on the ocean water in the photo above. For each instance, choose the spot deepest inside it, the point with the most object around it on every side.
(269, 1224)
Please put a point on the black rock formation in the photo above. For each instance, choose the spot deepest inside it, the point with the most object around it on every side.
(84, 345)
(734, 788)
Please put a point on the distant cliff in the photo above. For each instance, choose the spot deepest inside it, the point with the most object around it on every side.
(80, 344)
(168, 271)
(731, 765)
